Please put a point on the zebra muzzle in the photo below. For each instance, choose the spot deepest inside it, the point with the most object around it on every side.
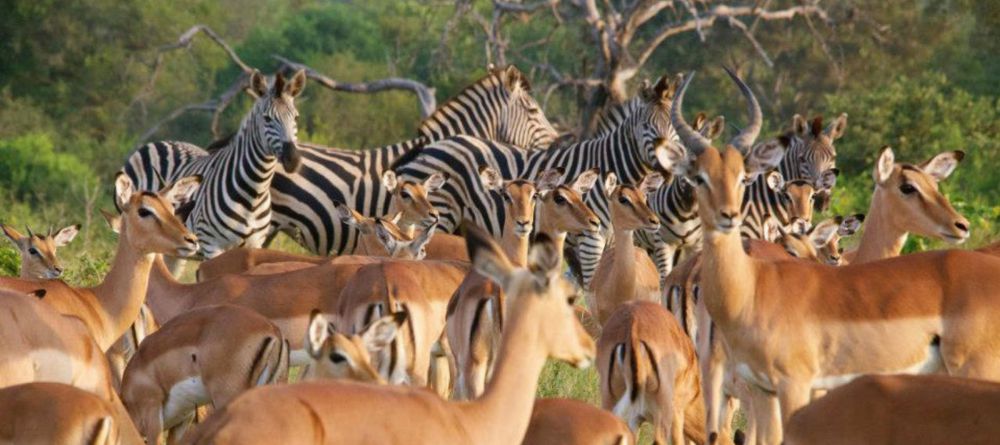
(290, 157)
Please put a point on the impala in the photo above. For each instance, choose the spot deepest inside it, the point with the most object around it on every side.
(205, 356)
(649, 372)
(341, 356)
(625, 272)
(541, 325)
(383, 236)
(792, 326)
(901, 409)
(38, 252)
(572, 422)
(147, 226)
(475, 312)
(819, 243)
(54, 413)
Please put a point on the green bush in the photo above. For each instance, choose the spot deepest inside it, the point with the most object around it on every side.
(31, 171)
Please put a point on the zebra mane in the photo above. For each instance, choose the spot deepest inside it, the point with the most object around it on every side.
(221, 143)
(491, 80)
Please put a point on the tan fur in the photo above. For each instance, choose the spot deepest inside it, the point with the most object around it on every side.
(477, 309)
(335, 355)
(572, 422)
(54, 413)
(110, 307)
(229, 348)
(898, 410)
(625, 272)
(38, 252)
(656, 363)
(121, 352)
(241, 259)
(542, 325)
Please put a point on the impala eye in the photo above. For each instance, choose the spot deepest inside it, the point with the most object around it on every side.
(34, 251)
(624, 200)
(144, 212)
(559, 199)
(406, 196)
(907, 188)
(337, 358)
(506, 197)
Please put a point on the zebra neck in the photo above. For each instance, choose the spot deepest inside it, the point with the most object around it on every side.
(615, 152)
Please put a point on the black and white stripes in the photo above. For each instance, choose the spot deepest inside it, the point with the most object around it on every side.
(233, 205)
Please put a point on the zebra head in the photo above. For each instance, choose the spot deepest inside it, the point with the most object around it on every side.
(275, 116)
(811, 147)
(652, 126)
(521, 121)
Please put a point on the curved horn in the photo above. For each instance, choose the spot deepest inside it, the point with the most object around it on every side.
(693, 140)
(746, 138)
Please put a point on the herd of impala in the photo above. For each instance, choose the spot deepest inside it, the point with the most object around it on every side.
(420, 336)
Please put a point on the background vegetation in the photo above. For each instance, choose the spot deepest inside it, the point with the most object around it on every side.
(76, 94)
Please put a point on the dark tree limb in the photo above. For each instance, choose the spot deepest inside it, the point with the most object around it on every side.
(425, 94)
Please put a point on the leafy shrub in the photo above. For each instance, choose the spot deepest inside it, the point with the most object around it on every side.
(32, 171)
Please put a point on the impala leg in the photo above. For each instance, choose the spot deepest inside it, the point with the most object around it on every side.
(177, 431)
(677, 427)
(792, 395)
(766, 418)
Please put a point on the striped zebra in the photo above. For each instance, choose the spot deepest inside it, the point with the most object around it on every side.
(809, 161)
(233, 205)
(497, 107)
(630, 150)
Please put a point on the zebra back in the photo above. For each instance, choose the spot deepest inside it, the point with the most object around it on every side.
(498, 107)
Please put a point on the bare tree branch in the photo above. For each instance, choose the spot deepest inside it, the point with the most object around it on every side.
(425, 94)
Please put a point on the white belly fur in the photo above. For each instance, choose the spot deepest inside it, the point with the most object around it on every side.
(184, 397)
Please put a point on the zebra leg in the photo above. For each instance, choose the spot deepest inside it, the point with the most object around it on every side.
(589, 251)
(663, 257)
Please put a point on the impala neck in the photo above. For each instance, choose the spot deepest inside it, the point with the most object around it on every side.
(515, 246)
(502, 414)
(728, 275)
(880, 239)
(123, 290)
(624, 267)
(557, 235)
(368, 244)
(167, 297)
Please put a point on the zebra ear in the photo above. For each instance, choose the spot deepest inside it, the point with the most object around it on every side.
(827, 180)
(434, 182)
(817, 126)
(389, 180)
(294, 87)
(763, 157)
(714, 128)
(490, 178)
(514, 79)
(799, 125)
(837, 127)
(279, 85)
(610, 184)
(258, 84)
(585, 181)
(123, 190)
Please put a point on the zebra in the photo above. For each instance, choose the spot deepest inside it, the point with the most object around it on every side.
(233, 205)
(498, 107)
(630, 150)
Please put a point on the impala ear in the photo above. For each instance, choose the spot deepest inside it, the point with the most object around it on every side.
(389, 180)
(317, 333)
(548, 180)
(434, 182)
(66, 234)
(353, 218)
(490, 179)
(827, 180)
(885, 165)
(182, 191)
(851, 224)
(610, 184)
(12, 233)
(775, 181)
(379, 334)
(387, 237)
(585, 182)
(837, 127)
(650, 183)
(114, 221)
(487, 257)
(672, 157)
(544, 260)
(123, 190)
(943, 164)
(825, 231)
(418, 245)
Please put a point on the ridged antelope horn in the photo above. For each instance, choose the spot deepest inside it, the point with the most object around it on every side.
(744, 141)
(693, 140)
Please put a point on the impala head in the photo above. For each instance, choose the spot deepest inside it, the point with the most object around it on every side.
(386, 233)
(275, 115)
(410, 198)
(721, 176)
(338, 356)
(562, 208)
(816, 154)
(830, 252)
(519, 197)
(502, 104)
(628, 205)
(538, 293)
(801, 197)
(910, 196)
(38, 252)
(147, 219)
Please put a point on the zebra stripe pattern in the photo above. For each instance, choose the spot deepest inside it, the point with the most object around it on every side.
(232, 207)
(497, 107)
(629, 150)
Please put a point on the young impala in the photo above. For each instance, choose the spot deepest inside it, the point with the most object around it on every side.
(38, 252)
(541, 324)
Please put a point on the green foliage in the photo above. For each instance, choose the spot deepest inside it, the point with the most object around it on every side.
(10, 262)
(31, 171)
